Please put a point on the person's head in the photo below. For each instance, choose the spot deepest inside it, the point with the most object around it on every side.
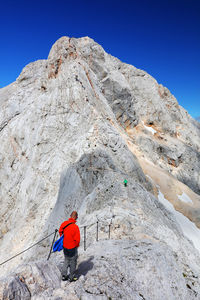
(74, 215)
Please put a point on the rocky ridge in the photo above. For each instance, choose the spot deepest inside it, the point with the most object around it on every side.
(73, 127)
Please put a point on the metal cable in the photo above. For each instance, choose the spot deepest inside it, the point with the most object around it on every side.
(40, 242)
(26, 249)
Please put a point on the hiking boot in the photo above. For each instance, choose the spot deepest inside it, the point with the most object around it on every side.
(73, 279)
(64, 278)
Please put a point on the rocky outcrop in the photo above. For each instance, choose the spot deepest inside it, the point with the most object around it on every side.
(32, 281)
(73, 127)
(139, 269)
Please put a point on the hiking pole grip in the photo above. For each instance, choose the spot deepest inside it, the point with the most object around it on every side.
(56, 230)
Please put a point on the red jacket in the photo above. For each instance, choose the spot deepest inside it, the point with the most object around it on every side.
(71, 234)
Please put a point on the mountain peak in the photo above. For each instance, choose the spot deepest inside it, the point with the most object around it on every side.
(73, 128)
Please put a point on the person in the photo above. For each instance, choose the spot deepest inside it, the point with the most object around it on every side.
(70, 244)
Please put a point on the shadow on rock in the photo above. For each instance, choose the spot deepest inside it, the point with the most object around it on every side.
(85, 266)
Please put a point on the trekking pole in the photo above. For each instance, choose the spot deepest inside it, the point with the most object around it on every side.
(97, 229)
(56, 230)
(84, 238)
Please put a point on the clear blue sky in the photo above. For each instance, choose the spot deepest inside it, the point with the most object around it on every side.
(161, 37)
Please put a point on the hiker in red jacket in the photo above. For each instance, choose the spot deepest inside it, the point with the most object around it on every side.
(70, 244)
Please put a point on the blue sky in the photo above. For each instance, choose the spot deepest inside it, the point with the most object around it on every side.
(160, 37)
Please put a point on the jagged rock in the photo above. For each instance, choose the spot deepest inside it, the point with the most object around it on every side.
(16, 289)
(136, 270)
(120, 269)
(73, 127)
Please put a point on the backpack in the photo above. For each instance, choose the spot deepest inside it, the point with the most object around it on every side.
(58, 245)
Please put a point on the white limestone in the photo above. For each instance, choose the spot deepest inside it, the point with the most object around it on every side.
(150, 129)
(184, 197)
(189, 228)
(71, 131)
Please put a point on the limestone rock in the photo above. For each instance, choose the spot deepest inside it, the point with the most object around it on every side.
(120, 269)
(73, 127)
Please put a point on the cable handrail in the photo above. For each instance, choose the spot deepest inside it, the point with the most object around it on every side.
(55, 232)
(26, 249)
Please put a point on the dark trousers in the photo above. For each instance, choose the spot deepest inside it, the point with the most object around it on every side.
(70, 262)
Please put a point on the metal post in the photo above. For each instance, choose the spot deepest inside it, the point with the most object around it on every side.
(97, 230)
(84, 238)
(109, 231)
(56, 230)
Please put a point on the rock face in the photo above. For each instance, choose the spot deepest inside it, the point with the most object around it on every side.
(126, 274)
(73, 127)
